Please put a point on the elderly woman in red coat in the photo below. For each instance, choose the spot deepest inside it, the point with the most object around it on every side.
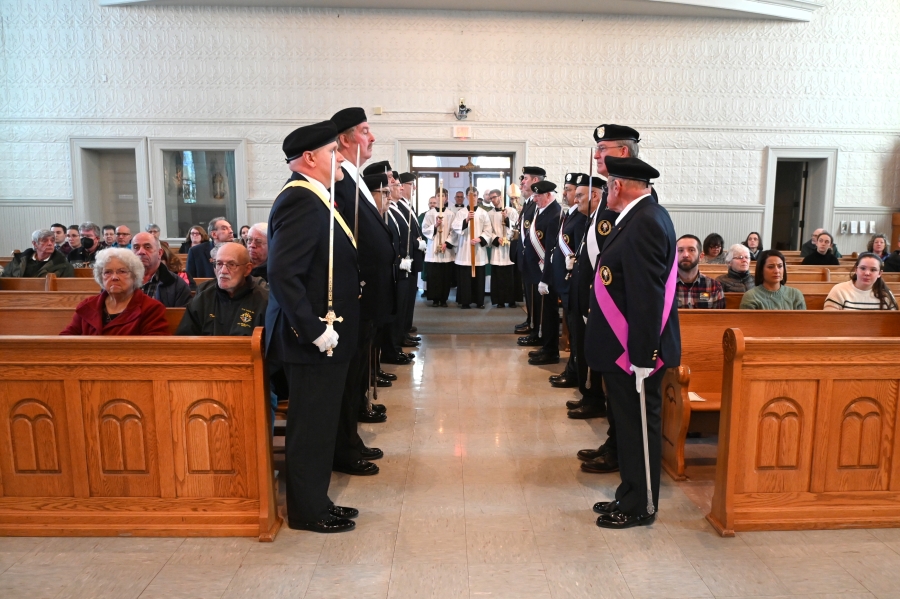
(121, 308)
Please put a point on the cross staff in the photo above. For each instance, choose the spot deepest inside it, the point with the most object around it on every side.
(330, 317)
(473, 194)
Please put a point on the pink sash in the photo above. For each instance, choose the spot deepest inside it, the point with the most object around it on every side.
(617, 320)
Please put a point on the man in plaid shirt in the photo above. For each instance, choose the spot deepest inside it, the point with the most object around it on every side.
(695, 290)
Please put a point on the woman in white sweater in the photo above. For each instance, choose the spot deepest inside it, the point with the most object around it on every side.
(865, 290)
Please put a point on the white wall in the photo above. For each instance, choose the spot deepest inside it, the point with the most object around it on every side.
(708, 95)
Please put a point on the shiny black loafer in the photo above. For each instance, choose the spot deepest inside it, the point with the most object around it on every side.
(387, 375)
(358, 468)
(343, 512)
(326, 526)
(371, 453)
(617, 520)
(606, 507)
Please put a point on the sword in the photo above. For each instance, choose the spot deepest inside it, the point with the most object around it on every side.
(356, 216)
(330, 317)
(473, 196)
(650, 508)
(587, 382)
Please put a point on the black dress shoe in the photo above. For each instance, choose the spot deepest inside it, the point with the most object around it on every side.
(592, 454)
(358, 468)
(513, 305)
(556, 377)
(499, 306)
(387, 375)
(575, 403)
(409, 356)
(409, 343)
(444, 305)
(383, 382)
(529, 341)
(415, 338)
(343, 512)
(371, 453)
(378, 407)
(564, 382)
(435, 303)
(524, 325)
(602, 465)
(401, 359)
(371, 416)
(413, 329)
(327, 525)
(544, 359)
(536, 352)
(618, 520)
(465, 307)
(587, 411)
(480, 306)
(606, 507)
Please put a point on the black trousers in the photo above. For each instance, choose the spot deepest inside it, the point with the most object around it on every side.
(532, 307)
(413, 290)
(312, 422)
(518, 286)
(502, 290)
(398, 326)
(348, 443)
(547, 308)
(594, 394)
(440, 277)
(469, 289)
(384, 338)
(625, 402)
(571, 370)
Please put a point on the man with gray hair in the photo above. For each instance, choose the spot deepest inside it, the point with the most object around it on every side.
(258, 246)
(201, 257)
(159, 282)
(90, 245)
(153, 229)
(42, 259)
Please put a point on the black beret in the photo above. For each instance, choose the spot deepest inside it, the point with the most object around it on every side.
(534, 170)
(348, 117)
(615, 133)
(543, 187)
(585, 181)
(407, 177)
(395, 175)
(571, 178)
(378, 167)
(630, 168)
(375, 181)
(305, 139)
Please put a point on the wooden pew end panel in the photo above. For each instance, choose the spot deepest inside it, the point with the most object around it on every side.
(676, 415)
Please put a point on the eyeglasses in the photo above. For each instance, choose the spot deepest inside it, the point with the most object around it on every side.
(122, 234)
(122, 272)
(603, 149)
(256, 242)
(230, 265)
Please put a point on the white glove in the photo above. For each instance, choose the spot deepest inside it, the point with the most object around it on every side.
(328, 339)
(406, 264)
(570, 262)
(422, 245)
(585, 319)
(639, 375)
(543, 288)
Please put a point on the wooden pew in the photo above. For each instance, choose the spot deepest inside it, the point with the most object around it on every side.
(43, 299)
(700, 371)
(808, 436)
(22, 284)
(814, 301)
(52, 320)
(84, 273)
(77, 284)
(146, 436)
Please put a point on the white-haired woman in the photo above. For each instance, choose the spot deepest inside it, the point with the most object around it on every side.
(121, 308)
(739, 278)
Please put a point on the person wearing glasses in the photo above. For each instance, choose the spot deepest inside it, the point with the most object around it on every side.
(738, 279)
(121, 308)
(123, 237)
(713, 252)
(232, 304)
(258, 248)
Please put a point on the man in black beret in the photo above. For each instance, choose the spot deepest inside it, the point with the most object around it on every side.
(376, 272)
(571, 229)
(416, 251)
(542, 234)
(314, 353)
(633, 335)
(530, 176)
(622, 142)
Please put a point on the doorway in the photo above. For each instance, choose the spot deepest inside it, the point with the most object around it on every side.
(456, 171)
(110, 181)
(788, 223)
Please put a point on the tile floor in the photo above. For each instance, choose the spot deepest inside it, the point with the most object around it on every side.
(479, 496)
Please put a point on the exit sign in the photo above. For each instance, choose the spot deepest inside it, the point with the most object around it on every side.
(462, 131)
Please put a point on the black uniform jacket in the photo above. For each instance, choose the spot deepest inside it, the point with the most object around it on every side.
(639, 254)
(415, 253)
(298, 281)
(555, 273)
(396, 222)
(515, 246)
(214, 312)
(377, 273)
(547, 224)
(199, 263)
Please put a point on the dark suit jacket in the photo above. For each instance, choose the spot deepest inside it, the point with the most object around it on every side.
(516, 245)
(376, 253)
(555, 269)
(298, 281)
(639, 253)
(397, 224)
(418, 255)
(547, 222)
(199, 263)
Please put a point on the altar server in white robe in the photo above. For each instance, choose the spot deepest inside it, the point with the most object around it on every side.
(503, 223)
(440, 252)
(470, 289)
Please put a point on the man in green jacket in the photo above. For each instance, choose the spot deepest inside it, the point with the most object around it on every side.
(40, 261)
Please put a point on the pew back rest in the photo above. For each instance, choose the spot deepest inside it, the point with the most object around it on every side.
(702, 330)
(23, 284)
(77, 284)
(51, 321)
(43, 299)
(814, 301)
